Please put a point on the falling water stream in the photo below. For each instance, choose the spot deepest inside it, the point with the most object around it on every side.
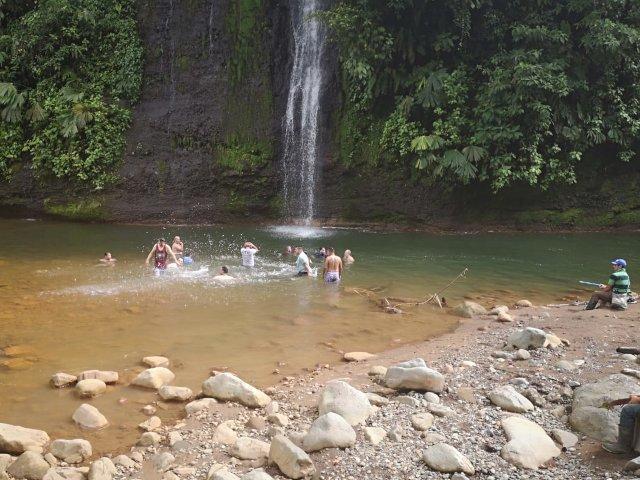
(301, 121)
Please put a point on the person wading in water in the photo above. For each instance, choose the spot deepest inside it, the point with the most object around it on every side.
(332, 271)
(159, 252)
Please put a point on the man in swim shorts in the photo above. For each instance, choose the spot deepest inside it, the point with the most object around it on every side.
(302, 262)
(332, 271)
(160, 252)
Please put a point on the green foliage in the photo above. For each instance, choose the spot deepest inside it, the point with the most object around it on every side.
(244, 24)
(71, 70)
(84, 210)
(239, 156)
(514, 92)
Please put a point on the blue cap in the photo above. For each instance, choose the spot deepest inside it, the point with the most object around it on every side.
(619, 262)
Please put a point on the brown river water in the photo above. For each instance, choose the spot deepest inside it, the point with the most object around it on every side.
(68, 314)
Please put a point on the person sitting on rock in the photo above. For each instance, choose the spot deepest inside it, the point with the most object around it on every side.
(626, 425)
(617, 289)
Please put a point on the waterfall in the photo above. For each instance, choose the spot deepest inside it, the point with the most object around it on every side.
(301, 122)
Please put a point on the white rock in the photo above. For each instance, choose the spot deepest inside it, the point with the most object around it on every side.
(377, 400)
(156, 361)
(444, 458)
(228, 387)
(89, 417)
(431, 397)
(272, 408)
(174, 437)
(224, 434)
(223, 474)
(5, 461)
(505, 318)
(498, 310)
(16, 440)
(106, 376)
(422, 421)
(65, 473)
(151, 424)
(51, 459)
(588, 415)
(61, 380)
(522, 354)
(507, 398)
(102, 469)
(469, 309)
(377, 371)
(91, 387)
(553, 341)
(407, 400)
(290, 459)
(149, 438)
(524, 304)
(257, 474)
(528, 444)
(564, 438)
(329, 431)
(247, 448)
(341, 398)
(71, 451)
(154, 378)
(440, 410)
(527, 338)
(149, 410)
(175, 394)
(125, 461)
(414, 375)
(201, 404)
(374, 435)
(29, 465)
(358, 356)
(278, 419)
(162, 461)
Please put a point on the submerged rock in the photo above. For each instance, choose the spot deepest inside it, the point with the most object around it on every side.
(16, 440)
(156, 361)
(91, 387)
(414, 375)
(89, 417)
(61, 380)
(154, 378)
(228, 387)
(341, 398)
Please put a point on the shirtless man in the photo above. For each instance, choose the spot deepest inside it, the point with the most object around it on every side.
(160, 252)
(332, 271)
(223, 276)
(177, 247)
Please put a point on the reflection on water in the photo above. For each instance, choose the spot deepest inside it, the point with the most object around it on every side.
(73, 315)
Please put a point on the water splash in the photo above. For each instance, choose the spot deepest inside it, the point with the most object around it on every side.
(303, 110)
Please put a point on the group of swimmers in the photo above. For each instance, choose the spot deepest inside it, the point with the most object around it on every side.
(174, 257)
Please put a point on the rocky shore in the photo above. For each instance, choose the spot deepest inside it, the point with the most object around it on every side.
(515, 392)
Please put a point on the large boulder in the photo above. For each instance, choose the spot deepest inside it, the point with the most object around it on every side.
(588, 415)
(106, 376)
(17, 440)
(91, 387)
(29, 465)
(329, 431)
(414, 375)
(528, 444)
(444, 458)
(89, 417)
(527, 338)
(71, 451)
(154, 378)
(290, 459)
(341, 398)
(469, 309)
(507, 398)
(228, 387)
(175, 394)
(247, 448)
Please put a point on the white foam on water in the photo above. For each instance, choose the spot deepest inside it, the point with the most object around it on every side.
(300, 231)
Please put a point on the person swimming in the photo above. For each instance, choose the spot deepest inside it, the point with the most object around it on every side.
(347, 258)
(159, 253)
(107, 260)
(223, 276)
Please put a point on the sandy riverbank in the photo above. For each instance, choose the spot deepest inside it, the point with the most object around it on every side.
(469, 421)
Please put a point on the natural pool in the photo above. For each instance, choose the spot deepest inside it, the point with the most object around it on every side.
(72, 315)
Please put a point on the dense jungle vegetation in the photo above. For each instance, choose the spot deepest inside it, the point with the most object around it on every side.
(500, 91)
(69, 72)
